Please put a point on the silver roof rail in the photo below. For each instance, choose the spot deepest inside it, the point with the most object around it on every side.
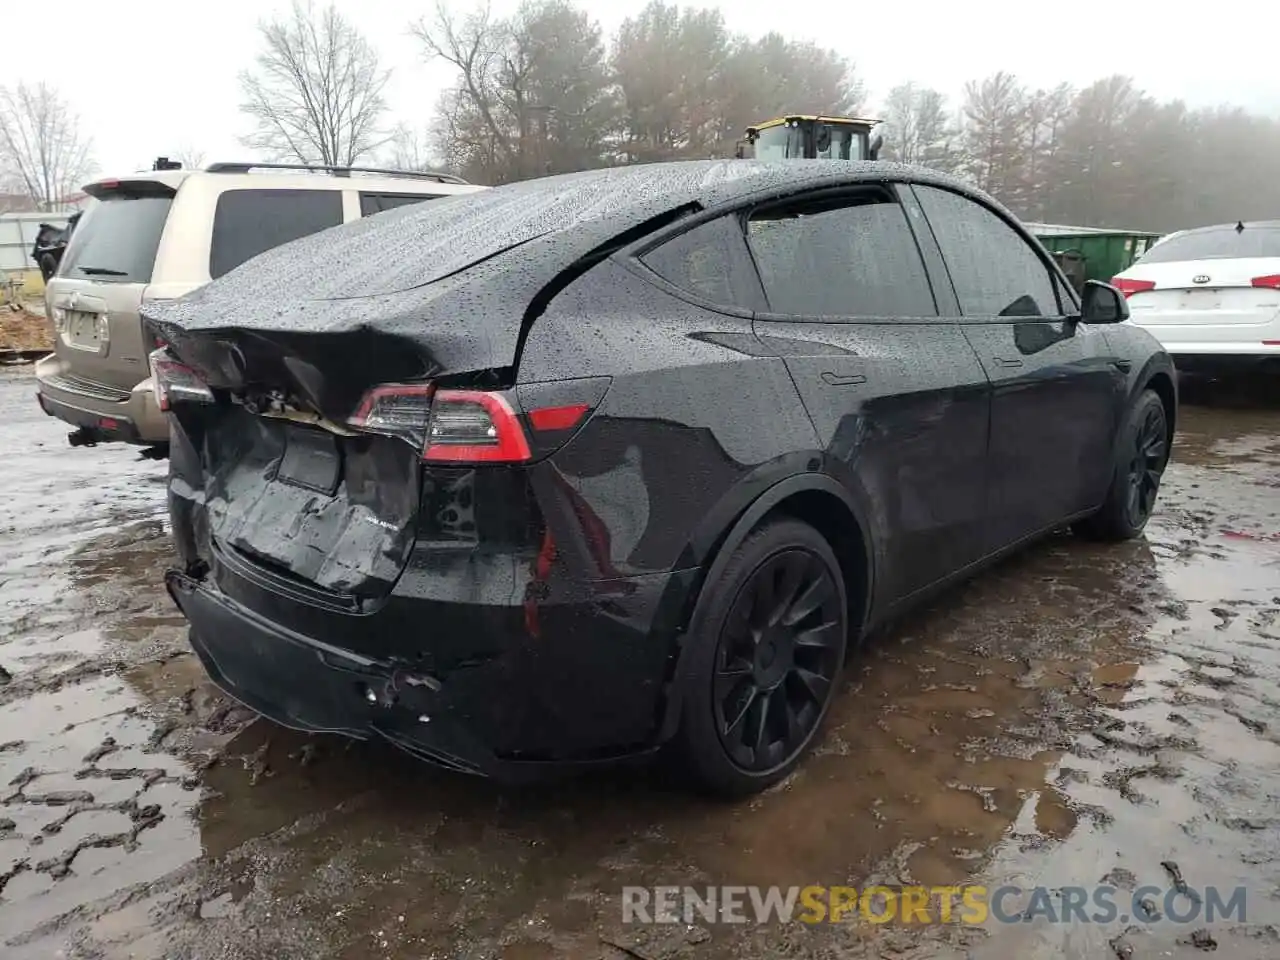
(226, 167)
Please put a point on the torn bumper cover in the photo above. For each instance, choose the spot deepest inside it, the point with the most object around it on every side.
(495, 718)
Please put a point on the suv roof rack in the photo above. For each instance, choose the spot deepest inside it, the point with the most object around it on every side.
(432, 175)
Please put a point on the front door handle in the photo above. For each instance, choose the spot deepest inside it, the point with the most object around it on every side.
(1003, 362)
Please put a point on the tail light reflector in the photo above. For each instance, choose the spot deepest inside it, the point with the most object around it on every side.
(174, 382)
(1129, 287)
(1271, 280)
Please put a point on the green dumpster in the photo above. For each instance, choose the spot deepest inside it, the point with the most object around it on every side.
(1104, 252)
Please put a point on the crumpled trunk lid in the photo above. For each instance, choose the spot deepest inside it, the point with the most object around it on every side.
(336, 512)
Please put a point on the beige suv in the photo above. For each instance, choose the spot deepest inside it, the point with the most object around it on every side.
(163, 233)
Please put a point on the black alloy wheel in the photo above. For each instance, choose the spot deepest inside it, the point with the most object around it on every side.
(779, 654)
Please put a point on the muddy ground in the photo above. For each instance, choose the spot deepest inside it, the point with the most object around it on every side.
(1080, 712)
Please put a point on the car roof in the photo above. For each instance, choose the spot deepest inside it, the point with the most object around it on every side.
(554, 221)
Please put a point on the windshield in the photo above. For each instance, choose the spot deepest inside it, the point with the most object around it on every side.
(779, 143)
(1218, 243)
(116, 240)
(787, 143)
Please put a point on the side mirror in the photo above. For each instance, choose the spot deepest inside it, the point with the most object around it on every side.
(1102, 303)
(873, 150)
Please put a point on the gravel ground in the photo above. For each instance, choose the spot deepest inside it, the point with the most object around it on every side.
(1080, 712)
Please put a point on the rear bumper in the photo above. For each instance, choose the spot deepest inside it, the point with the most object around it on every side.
(567, 698)
(109, 412)
(1226, 364)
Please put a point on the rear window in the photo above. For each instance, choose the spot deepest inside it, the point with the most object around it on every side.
(116, 240)
(371, 203)
(1217, 243)
(249, 222)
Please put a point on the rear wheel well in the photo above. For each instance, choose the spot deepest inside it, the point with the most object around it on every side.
(828, 514)
(1162, 384)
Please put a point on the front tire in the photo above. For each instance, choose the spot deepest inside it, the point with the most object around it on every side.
(1142, 453)
(769, 640)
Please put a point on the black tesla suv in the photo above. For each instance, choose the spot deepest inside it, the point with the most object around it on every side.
(585, 466)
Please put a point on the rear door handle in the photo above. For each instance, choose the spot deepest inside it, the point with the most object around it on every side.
(1124, 366)
(843, 379)
(1002, 362)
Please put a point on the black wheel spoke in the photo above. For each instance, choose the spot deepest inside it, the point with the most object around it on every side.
(814, 685)
(789, 584)
(741, 715)
(815, 594)
(760, 722)
(823, 636)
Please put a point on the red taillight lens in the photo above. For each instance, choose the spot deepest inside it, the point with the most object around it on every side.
(1130, 287)
(397, 409)
(174, 382)
(1271, 280)
(517, 425)
(474, 426)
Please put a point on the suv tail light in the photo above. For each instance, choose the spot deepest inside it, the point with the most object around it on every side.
(1271, 280)
(175, 382)
(1130, 287)
(481, 426)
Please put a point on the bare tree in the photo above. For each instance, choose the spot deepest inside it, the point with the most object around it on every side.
(191, 158)
(316, 93)
(410, 149)
(917, 127)
(533, 93)
(42, 149)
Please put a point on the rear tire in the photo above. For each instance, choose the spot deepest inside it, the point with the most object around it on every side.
(1142, 453)
(769, 638)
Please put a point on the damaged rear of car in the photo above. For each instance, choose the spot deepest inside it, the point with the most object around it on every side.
(374, 536)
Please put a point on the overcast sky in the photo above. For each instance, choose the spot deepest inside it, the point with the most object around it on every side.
(150, 77)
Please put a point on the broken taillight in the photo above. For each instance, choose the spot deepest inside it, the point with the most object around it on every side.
(478, 426)
(175, 382)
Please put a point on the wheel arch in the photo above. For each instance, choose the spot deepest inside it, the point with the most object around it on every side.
(816, 499)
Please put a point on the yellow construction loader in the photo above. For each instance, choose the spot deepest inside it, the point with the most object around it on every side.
(811, 137)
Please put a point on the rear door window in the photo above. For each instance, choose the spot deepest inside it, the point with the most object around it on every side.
(847, 256)
(249, 222)
(1218, 243)
(371, 203)
(995, 272)
(117, 238)
(711, 262)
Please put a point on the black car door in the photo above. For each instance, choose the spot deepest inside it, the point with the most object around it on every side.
(1054, 381)
(893, 388)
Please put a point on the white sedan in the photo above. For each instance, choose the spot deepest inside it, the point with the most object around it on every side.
(1211, 296)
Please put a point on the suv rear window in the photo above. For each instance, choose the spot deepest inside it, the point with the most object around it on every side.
(249, 222)
(116, 239)
(1217, 243)
(371, 203)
